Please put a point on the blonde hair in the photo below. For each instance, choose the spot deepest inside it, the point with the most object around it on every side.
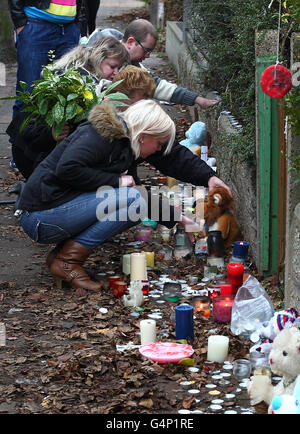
(135, 78)
(90, 57)
(147, 117)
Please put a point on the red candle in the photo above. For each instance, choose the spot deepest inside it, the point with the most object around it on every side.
(119, 288)
(235, 273)
(222, 307)
(112, 280)
(145, 288)
(226, 289)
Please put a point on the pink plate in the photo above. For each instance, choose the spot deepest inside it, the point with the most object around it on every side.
(164, 352)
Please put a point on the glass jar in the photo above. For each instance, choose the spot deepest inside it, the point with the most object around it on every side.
(215, 244)
(222, 307)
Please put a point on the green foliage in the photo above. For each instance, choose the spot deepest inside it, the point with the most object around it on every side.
(64, 98)
(224, 34)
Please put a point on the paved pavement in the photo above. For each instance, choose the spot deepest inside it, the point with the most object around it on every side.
(21, 260)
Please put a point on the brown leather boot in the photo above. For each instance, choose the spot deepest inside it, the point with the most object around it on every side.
(53, 253)
(68, 266)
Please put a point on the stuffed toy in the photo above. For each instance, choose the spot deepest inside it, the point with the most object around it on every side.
(287, 404)
(284, 361)
(195, 137)
(218, 216)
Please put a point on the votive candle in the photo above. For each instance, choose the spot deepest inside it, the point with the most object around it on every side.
(148, 331)
(126, 264)
(202, 305)
(217, 349)
(222, 307)
(184, 321)
(235, 273)
(149, 259)
(138, 267)
(112, 280)
(240, 249)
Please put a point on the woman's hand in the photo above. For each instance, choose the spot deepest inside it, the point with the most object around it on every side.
(127, 181)
(63, 134)
(214, 181)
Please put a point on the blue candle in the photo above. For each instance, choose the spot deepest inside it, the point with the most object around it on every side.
(240, 249)
(184, 315)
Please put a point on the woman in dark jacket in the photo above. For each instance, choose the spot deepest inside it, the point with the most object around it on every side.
(86, 190)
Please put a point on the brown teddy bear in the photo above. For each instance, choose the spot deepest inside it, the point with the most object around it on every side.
(218, 216)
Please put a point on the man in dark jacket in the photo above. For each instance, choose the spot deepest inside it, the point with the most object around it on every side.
(42, 26)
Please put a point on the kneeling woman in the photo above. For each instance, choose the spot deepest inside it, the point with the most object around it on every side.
(62, 199)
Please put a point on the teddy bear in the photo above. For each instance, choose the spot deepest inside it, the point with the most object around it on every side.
(195, 137)
(284, 360)
(218, 216)
(287, 404)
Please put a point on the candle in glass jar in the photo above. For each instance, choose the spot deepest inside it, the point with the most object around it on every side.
(148, 331)
(201, 305)
(235, 273)
(146, 286)
(217, 349)
(226, 289)
(112, 280)
(119, 288)
(222, 307)
(149, 259)
(126, 264)
(138, 267)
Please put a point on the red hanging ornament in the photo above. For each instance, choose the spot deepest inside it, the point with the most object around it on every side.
(276, 81)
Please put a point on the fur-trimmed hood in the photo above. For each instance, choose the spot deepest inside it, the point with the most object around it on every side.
(107, 123)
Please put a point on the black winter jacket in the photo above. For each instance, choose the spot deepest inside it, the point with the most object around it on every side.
(96, 154)
(19, 17)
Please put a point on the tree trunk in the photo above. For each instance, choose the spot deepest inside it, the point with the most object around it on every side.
(7, 48)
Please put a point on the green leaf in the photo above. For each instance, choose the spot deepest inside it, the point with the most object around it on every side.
(71, 110)
(117, 95)
(43, 107)
(72, 96)
(58, 112)
(187, 362)
(62, 99)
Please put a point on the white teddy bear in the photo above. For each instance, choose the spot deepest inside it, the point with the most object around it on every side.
(284, 361)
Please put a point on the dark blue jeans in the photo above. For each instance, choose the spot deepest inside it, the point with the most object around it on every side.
(89, 219)
(33, 44)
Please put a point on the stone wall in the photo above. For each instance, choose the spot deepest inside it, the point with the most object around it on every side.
(239, 176)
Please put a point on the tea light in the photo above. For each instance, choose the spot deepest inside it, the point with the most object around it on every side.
(217, 349)
(148, 331)
(215, 407)
(201, 305)
(112, 280)
(240, 249)
(235, 272)
(194, 391)
(229, 397)
(186, 384)
(222, 307)
(214, 392)
(184, 321)
(193, 369)
(138, 266)
(126, 264)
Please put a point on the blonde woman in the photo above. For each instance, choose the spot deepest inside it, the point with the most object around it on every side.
(86, 190)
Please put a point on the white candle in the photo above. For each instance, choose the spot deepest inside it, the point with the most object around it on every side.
(148, 331)
(217, 349)
(126, 264)
(138, 267)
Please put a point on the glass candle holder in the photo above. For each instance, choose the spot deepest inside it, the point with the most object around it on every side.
(241, 369)
(222, 307)
(215, 244)
(201, 306)
(119, 288)
(171, 291)
(146, 286)
(143, 234)
(112, 280)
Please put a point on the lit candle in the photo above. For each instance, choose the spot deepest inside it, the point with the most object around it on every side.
(148, 331)
(202, 305)
(222, 307)
(138, 268)
(235, 272)
(145, 288)
(126, 264)
(184, 321)
(217, 349)
(240, 249)
(149, 259)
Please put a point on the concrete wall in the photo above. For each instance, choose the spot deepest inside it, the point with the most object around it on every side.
(239, 176)
(292, 255)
